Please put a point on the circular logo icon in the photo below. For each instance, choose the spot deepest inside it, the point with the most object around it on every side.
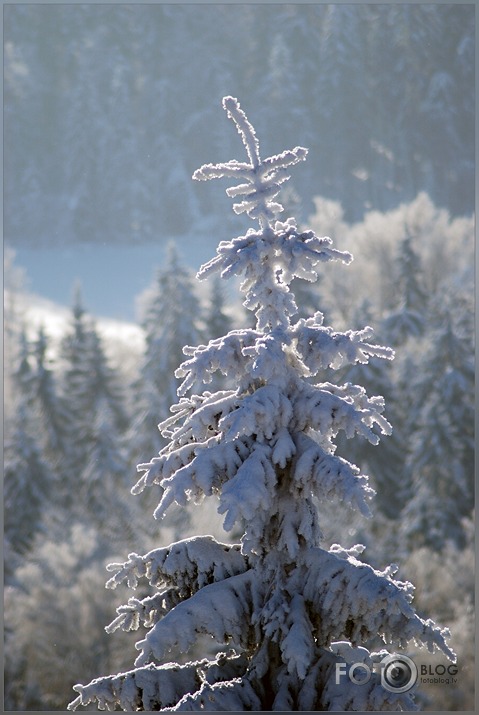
(398, 673)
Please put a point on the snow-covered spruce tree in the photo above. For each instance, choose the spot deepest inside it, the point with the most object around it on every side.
(407, 320)
(170, 321)
(288, 609)
(51, 411)
(27, 475)
(441, 455)
(27, 485)
(91, 389)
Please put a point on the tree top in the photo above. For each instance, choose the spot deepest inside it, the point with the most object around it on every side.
(264, 177)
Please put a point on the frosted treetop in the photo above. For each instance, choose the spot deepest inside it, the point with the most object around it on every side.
(264, 177)
(271, 256)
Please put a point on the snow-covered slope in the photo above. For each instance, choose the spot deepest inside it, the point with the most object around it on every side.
(123, 341)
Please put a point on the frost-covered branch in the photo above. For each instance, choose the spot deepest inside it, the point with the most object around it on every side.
(227, 696)
(224, 354)
(158, 687)
(189, 565)
(222, 610)
(362, 603)
(330, 477)
(327, 409)
(321, 347)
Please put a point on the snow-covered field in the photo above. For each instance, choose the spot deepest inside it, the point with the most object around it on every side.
(40, 311)
(123, 341)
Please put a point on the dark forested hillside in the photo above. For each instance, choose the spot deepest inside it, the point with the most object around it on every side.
(109, 108)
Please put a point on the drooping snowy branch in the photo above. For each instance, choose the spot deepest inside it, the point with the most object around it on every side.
(224, 354)
(222, 610)
(188, 565)
(177, 571)
(321, 347)
(297, 646)
(330, 477)
(362, 603)
(150, 688)
(327, 409)
(225, 696)
(159, 687)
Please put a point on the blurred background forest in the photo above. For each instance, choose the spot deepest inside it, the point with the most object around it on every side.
(108, 111)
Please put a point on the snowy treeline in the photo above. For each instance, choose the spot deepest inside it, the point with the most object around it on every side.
(77, 424)
(99, 96)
